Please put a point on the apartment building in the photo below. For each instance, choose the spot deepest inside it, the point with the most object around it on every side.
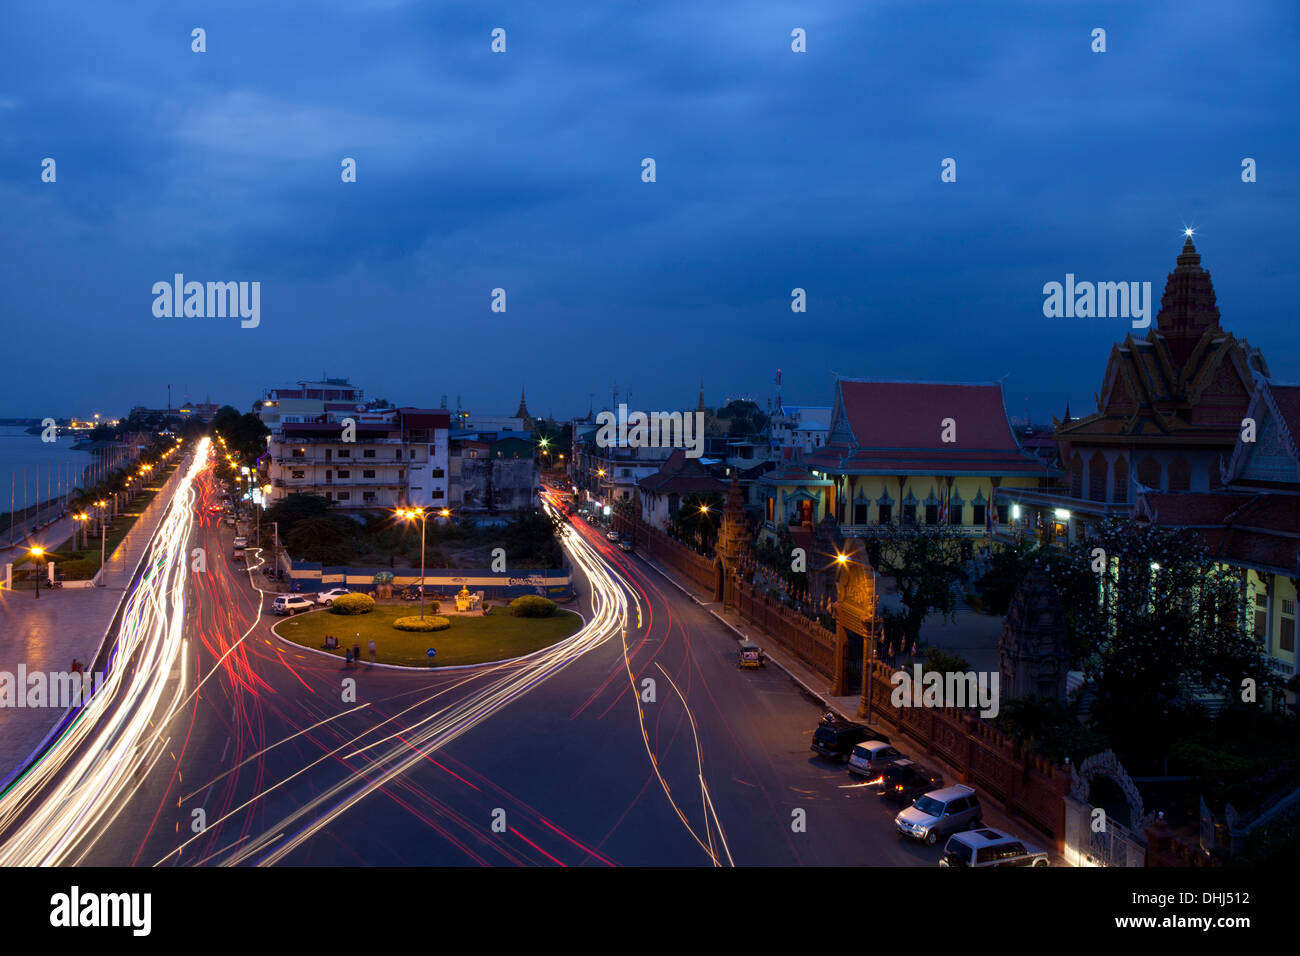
(398, 457)
(305, 402)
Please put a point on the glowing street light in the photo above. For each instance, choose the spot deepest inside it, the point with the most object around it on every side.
(410, 514)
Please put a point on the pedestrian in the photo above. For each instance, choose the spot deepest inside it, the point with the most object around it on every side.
(347, 657)
(372, 648)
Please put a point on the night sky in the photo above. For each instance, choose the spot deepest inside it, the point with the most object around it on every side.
(523, 170)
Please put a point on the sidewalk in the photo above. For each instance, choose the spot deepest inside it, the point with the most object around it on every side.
(44, 634)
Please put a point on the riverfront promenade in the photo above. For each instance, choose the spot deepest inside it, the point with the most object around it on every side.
(46, 633)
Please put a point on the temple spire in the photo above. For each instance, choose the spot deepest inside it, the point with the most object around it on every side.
(523, 411)
(700, 405)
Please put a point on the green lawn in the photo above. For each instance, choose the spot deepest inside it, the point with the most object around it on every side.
(469, 640)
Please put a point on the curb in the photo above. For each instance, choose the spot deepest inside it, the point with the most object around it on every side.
(436, 669)
(817, 695)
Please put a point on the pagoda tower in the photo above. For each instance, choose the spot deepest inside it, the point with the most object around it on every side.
(523, 412)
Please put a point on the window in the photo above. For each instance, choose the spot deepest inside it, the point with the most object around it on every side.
(1286, 628)
(368, 496)
(956, 512)
(1180, 475)
(909, 514)
(368, 473)
(1121, 480)
(345, 452)
(884, 513)
(345, 496)
(977, 516)
(1261, 615)
(297, 473)
(1097, 477)
(367, 453)
(437, 493)
(437, 473)
(931, 514)
(1002, 514)
(344, 473)
(1076, 477)
(859, 512)
(399, 454)
(299, 453)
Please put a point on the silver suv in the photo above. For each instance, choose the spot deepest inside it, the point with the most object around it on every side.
(939, 813)
(988, 847)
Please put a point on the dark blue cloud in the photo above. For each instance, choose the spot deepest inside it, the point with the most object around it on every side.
(522, 171)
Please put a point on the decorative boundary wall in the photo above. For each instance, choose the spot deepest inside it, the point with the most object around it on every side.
(1022, 783)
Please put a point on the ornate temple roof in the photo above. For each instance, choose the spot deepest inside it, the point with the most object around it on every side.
(1186, 382)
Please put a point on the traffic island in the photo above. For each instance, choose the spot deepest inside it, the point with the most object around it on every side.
(468, 639)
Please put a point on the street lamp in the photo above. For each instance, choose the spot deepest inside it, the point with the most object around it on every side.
(410, 514)
(37, 552)
(103, 538)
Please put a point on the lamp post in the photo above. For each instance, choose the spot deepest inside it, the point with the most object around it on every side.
(103, 537)
(38, 552)
(410, 514)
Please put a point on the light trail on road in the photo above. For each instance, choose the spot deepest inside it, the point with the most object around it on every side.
(54, 813)
(398, 753)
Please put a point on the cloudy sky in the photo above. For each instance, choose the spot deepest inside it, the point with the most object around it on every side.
(522, 170)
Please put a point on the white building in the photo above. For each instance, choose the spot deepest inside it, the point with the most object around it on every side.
(396, 457)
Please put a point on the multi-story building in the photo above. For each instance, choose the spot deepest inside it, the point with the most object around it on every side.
(394, 458)
(800, 426)
(493, 472)
(329, 399)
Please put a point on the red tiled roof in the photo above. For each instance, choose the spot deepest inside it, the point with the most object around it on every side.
(1261, 530)
(896, 427)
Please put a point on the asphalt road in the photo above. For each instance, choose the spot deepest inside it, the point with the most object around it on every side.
(565, 759)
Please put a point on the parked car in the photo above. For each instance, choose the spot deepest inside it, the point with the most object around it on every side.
(870, 758)
(237, 554)
(625, 544)
(291, 604)
(241, 541)
(612, 535)
(988, 847)
(835, 737)
(939, 813)
(905, 780)
(327, 597)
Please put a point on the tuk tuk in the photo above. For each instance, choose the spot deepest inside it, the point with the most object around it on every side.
(749, 655)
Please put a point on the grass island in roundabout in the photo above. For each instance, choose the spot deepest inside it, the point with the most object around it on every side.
(467, 639)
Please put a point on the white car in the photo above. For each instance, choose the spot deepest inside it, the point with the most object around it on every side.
(241, 541)
(290, 605)
(327, 597)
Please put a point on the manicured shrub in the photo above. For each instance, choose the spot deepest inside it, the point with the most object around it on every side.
(353, 604)
(532, 605)
(429, 622)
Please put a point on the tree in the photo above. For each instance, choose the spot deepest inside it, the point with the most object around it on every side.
(294, 508)
(329, 539)
(1008, 565)
(534, 536)
(1153, 621)
(925, 563)
(697, 518)
(745, 416)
